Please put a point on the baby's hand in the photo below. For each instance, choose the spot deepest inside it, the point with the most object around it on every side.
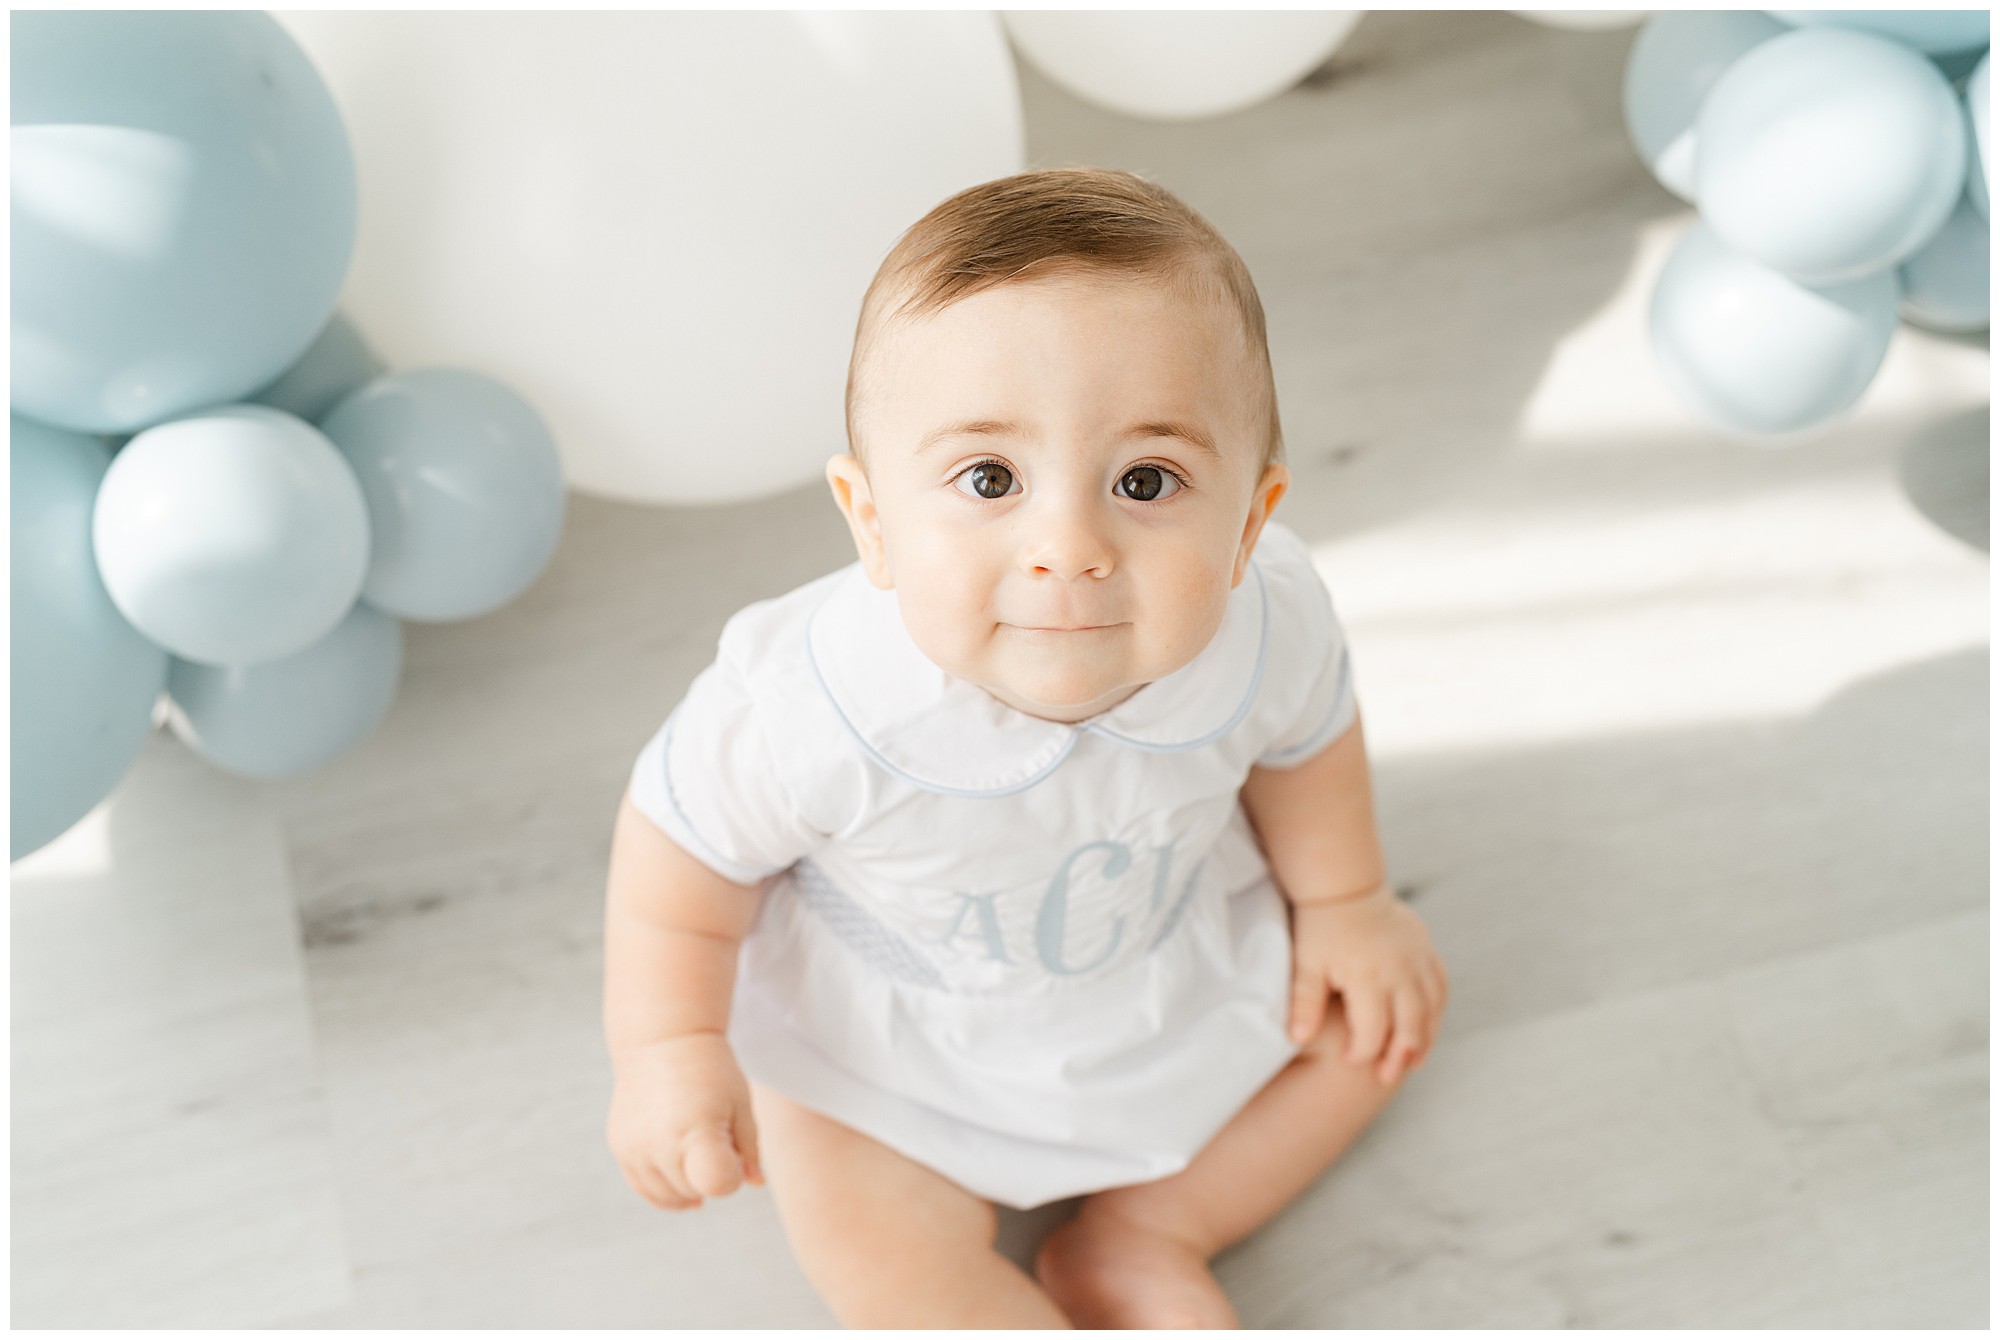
(680, 1121)
(1377, 954)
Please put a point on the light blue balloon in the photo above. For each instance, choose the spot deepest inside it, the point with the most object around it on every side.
(183, 211)
(465, 491)
(1956, 65)
(84, 679)
(1754, 351)
(1947, 285)
(1829, 154)
(1979, 157)
(290, 715)
(1930, 30)
(232, 537)
(338, 364)
(1676, 59)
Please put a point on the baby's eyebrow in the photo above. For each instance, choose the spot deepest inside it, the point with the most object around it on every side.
(1192, 434)
(968, 428)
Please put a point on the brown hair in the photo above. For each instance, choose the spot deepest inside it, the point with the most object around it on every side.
(1060, 221)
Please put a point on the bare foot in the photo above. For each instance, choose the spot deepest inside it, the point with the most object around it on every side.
(1109, 1273)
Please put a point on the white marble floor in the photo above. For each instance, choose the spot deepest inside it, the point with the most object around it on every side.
(1682, 747)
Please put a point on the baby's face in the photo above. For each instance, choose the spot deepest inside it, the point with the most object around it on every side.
(1065, 480)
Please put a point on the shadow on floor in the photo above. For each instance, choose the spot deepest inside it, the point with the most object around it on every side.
(1944, 472)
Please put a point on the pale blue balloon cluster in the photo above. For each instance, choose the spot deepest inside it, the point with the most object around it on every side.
(183, 208)
(1839, 161)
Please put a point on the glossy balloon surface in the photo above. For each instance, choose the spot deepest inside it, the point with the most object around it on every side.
(296, 713)
(232, 537)
(1753, 351)
(183, 205)
(1675, 60)
(84, 679)
(465, 493)
(1829, 154)
(338, 364)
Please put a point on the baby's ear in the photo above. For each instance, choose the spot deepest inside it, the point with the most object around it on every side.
(1277, 479)
(849, 481)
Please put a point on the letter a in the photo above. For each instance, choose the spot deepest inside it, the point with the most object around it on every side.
(989, 924)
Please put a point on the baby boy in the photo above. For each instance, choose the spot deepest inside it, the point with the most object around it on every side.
(1033, 855)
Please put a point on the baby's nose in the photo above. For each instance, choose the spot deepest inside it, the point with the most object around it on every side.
(1068, 547)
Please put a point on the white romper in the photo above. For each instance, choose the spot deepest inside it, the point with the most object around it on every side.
(1040, 958)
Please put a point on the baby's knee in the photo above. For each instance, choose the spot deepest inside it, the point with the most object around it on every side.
(1112, 1270)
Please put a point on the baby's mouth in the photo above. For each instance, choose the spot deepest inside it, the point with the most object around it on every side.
(1064, 628)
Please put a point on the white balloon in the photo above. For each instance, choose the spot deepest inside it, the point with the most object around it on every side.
(656, 227)
(1586, 20)
(1178, 65)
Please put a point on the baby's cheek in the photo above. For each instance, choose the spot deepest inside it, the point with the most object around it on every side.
(1180, 628)
(957, 641)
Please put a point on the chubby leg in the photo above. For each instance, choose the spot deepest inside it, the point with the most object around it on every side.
(886, 1241)
(1137, 1256)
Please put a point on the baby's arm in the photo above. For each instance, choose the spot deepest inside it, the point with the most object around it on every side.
(1350, 932)
(680, 1121)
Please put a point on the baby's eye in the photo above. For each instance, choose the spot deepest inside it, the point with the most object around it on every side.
(989, 480)
(1149, 483)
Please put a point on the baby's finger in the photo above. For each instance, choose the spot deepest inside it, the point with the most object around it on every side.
(1440, 986)
(1367, 1024)
(1408, 1035)
(648, 1182)
(711, 1166)
(746, 1145)
(1309, 996)
(676, 1181)
(1443, 988)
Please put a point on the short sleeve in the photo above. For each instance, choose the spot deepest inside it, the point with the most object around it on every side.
(709, 780)
(1315, 655)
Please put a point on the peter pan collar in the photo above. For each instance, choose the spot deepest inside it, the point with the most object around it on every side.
(946, 735)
